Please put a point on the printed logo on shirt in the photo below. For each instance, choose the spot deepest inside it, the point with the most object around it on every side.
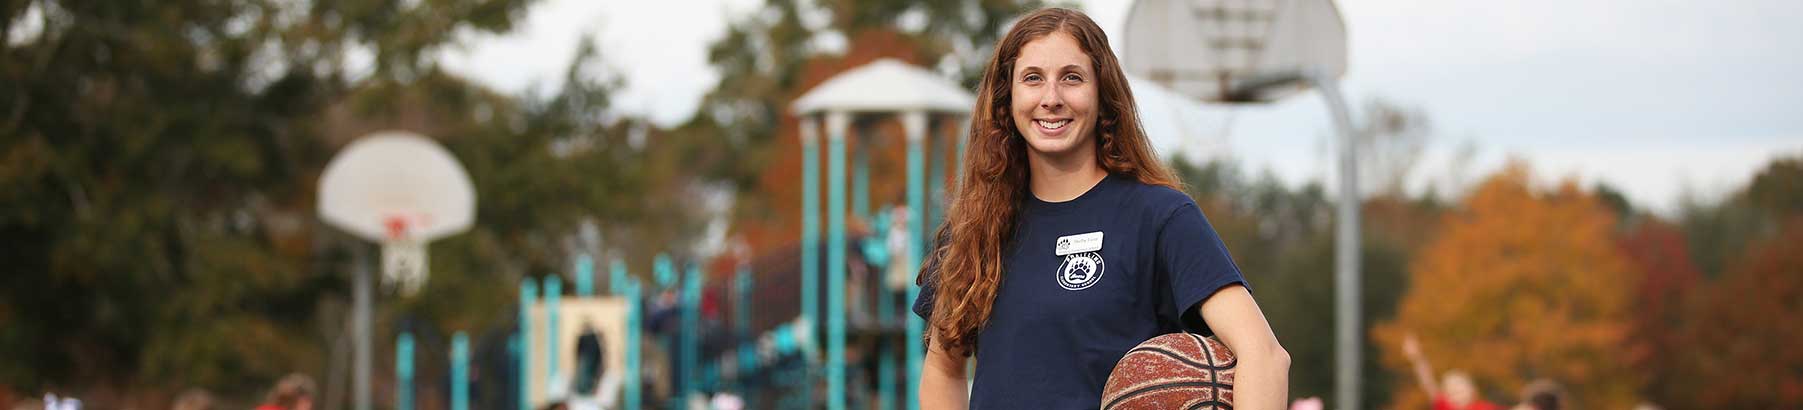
(1080, 270)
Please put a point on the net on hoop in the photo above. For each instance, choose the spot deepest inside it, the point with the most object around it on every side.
(403, 257)
(1236, 31)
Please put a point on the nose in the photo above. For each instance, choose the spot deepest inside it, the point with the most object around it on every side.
(1050, 100)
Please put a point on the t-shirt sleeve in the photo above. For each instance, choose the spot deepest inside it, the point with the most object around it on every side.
(1196, 265)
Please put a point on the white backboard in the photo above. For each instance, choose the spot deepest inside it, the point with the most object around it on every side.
(1208, 49)
(392, 186)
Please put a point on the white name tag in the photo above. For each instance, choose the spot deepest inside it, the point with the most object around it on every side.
(1089, 242)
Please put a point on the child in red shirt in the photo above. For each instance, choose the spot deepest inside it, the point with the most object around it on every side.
(1455, 391)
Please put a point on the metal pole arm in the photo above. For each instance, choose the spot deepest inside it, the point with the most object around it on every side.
(1346, 248)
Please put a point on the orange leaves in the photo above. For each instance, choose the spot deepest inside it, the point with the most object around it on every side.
(1522, 283)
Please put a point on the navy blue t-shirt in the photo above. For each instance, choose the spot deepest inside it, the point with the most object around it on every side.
(1063, 316)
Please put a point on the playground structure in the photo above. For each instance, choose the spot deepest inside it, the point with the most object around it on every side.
(672, 341)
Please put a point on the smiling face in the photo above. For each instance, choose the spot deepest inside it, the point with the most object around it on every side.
(1054, 97)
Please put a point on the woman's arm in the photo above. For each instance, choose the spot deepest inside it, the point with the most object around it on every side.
(943, 385)
(1262, 378)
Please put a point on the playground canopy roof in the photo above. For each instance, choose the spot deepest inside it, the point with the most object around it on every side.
(885, 85)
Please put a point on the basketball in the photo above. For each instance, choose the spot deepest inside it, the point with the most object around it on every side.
(1173, 371)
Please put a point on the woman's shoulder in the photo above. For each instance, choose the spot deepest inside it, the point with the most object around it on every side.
(1152, 197)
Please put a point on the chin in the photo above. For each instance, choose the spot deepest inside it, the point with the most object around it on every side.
(1054, 146)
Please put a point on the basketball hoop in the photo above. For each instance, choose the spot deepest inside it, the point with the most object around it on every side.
(400, 190)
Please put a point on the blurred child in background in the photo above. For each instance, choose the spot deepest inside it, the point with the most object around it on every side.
(1455, 390)
(292, 392)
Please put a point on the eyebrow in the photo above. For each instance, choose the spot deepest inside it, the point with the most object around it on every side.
(1067, 67)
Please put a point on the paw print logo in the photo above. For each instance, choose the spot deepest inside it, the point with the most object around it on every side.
(1080, 271)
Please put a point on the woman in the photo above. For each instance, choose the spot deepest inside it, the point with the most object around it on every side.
(1068, 242)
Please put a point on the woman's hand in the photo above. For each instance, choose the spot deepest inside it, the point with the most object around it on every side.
(1262, 377)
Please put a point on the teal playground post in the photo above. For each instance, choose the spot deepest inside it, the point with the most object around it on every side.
(691, 332)
(917, 132)
(860, 180)
(665, 271)
(553, 296)
(634, 316)
(460, 371)
(616, 278)
(403, 371)
(810, 240)
(837, 123)
(516, 354)
(585, 275)
(528, 294)
(876, 250)
(741, 312)
(742, 301)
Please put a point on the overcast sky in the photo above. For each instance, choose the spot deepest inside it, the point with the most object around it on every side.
(1656, 97)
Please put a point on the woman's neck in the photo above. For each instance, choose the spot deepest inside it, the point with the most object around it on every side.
(1063, 178)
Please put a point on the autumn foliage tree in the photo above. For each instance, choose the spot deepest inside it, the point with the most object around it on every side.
(1742, 334)
(1735, 343)
(1667, 276)
(1521, 283)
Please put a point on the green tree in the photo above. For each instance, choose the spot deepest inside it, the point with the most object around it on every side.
(1778, 189)
(1719, 232)
(158, 163)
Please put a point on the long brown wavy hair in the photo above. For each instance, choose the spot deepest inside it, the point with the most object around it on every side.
(968, 259)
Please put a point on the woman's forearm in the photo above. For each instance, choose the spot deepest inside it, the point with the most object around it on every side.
(939, 391)
(943, 384)
(1262, 381)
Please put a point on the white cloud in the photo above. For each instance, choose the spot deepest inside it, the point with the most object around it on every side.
(658, 47)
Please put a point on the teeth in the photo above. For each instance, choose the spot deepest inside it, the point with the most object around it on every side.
(1052, 125)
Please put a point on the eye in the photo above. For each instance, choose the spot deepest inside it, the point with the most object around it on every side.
(1031, 78)
(1073, 78)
